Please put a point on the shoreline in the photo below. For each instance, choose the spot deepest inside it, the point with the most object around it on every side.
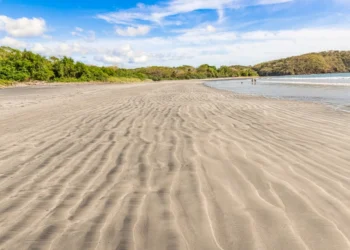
(40, 83)
(329, 106)
(337, 107)
(202, 81)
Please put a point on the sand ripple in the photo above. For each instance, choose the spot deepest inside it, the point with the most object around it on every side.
(171, 166)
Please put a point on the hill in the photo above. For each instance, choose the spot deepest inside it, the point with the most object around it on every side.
(313, 63)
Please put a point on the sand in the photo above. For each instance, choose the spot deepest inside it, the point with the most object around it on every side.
(173, 165)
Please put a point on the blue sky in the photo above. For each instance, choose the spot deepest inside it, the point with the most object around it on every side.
(175, 32)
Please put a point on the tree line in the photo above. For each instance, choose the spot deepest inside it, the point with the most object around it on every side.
(20, 66)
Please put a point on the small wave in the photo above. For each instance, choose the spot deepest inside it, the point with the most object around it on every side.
(308, 83)
(344, 108)
(311, 78)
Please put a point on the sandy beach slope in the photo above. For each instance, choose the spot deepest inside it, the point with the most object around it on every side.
(172, 166)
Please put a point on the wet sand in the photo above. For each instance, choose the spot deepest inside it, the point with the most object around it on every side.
(173, 165)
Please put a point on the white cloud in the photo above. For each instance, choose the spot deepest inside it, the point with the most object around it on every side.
(125, 50)
(157, 13)
(109, 59)
(221, 15)
(122, 55)
(22, 27)
(54, 48)
(307, 34)
(47, 37)
(140, 59)
(11, 42)
(264, 2)
(206, 35)
(78, 29)
(211, 28)
(69, 49)
(130, 55)
(140, 30)
(196, 46)
(88, 36)
(39, 48)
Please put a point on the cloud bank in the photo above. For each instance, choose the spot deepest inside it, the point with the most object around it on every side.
(22, 27)
(178, 32)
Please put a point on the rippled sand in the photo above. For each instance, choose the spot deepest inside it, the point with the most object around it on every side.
(170, 166)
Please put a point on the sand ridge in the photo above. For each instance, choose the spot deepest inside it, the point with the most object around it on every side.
(173, 165)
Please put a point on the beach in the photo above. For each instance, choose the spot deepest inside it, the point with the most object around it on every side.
(170, 165)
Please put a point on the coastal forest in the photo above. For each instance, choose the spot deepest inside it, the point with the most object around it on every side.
(24, 66)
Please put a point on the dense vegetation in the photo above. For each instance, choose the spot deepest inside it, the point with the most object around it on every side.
(20, 66)
(17, 66)
(188, 72)
(314, 63)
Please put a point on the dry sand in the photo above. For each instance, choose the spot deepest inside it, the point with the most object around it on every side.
(170, 166)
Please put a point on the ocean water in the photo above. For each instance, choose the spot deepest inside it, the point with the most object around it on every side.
(330, 89)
